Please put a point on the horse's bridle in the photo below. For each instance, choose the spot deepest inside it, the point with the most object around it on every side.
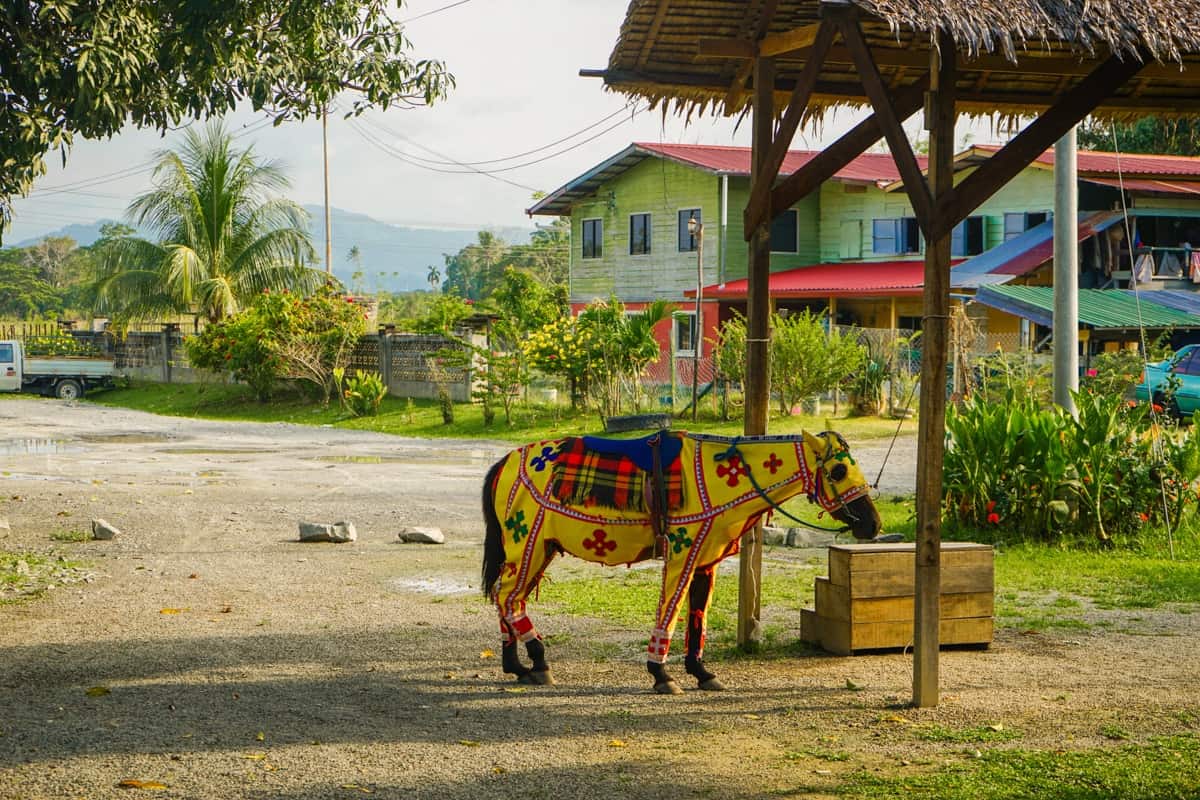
(822, 472)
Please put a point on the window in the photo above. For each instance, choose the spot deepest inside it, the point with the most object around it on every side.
(785, 232)
(685, 332)
(967, 238)
(639, 234)
(1188, 365)
(593, 238)
(895, 236)
(1017, 223)
(687, 242)
(6, 354)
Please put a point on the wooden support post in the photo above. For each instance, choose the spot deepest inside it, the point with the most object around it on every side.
(939, 119)
(758, 376)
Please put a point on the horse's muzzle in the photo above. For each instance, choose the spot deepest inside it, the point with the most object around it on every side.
(862, 517)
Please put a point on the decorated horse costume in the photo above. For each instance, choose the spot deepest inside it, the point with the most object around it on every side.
(618, 501)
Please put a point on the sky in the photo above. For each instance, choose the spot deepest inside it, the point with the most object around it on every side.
(516, 63)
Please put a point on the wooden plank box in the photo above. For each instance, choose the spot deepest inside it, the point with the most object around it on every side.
(866, 602)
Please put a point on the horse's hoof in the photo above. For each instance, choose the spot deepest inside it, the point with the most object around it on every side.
(526, 678)
(712, 685)
(667, 687)
(887, 538)
(541, 678)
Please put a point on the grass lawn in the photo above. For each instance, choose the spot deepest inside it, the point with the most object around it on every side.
(422, 418)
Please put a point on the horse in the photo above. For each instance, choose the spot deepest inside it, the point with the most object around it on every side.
(596, 499)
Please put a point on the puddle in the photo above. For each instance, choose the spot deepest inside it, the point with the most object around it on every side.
(212, 451)
(362, 459)
(471, 459)
(124, 438)
(36, 447)
(438, 586)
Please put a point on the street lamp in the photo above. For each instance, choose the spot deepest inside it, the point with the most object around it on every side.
(697, 231)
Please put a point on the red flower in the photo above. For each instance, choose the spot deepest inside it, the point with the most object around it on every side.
(994, 518)
(266, 291)
(1143, 517)
(1157, 408)
(991, 506)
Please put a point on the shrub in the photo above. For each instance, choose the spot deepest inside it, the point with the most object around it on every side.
(1019, 465)
(283, 336)
(806, 360)
(362, 393)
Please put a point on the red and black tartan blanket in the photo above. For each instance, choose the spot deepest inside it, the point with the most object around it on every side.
(584, 477)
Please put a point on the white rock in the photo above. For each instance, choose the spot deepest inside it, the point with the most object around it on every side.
(103, 530)
(423, 535)
(325, 532)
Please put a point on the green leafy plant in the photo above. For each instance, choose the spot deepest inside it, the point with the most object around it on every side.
(283, 336)
(1030, 469)
(807, 361)
(362, 393)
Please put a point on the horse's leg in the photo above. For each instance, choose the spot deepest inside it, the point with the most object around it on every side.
(699, 597)
(676, 576)
(514, 588)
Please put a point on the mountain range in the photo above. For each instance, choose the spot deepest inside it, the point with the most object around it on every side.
(391, 257)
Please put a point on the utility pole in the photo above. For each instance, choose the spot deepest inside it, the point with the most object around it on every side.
(696, 229)
(1066, 272)
(328, 224)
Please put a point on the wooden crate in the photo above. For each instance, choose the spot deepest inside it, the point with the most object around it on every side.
(866, 602)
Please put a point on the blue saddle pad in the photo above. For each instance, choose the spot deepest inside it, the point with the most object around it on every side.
(638, 450)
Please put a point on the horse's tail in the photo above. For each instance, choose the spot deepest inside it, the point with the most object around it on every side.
(493, 539)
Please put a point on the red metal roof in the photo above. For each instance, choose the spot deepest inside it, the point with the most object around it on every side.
(868, 168)
(839, 280)
(1150, 185)
(1091, 161)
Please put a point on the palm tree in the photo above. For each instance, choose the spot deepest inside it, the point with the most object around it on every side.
(223, 236)
(434, 277)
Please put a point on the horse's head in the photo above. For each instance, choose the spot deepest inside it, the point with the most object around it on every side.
(839, 485)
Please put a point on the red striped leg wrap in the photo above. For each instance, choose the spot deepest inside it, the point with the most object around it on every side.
(660, 645)
(522, 627)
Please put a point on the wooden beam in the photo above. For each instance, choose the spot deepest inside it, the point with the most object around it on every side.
(797, 107)
(767, 9)
(826, 164)
(940, 115)
(881, 100)
(758, 364)
(1085, 97)
(917, 58)
(652, 35)
(1022, 103)
(777, 44)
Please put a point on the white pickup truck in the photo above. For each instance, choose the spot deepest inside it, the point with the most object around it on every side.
(65, 377)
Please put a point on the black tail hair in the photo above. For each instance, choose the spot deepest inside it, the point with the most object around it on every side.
(493, 539)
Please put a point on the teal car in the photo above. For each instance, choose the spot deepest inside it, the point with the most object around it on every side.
(1185, 366)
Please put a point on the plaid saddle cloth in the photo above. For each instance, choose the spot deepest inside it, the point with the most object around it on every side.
(616, 473)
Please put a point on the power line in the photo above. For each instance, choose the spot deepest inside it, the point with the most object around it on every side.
(434, 11)
(389, 150)
(492, 172)
(568, 137)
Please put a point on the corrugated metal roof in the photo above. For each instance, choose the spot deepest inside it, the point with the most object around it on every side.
(1178, 299)
(845, 279)
(877, 168)
(1099, 309)
(1025, 253)
(1140, 164)
(1149, 185)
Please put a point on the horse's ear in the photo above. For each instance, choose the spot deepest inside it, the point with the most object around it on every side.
(815, 444)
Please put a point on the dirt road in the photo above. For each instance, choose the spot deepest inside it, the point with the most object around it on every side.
(215, 655)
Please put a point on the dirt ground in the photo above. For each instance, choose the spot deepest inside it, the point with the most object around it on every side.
(213, 654)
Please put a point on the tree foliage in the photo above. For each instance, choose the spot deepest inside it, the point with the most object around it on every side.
(1146, 135)
(223, 236)
(283, 336)
(806, 360)
(87, 67)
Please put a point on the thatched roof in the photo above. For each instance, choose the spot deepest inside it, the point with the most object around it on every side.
(1015, 56)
